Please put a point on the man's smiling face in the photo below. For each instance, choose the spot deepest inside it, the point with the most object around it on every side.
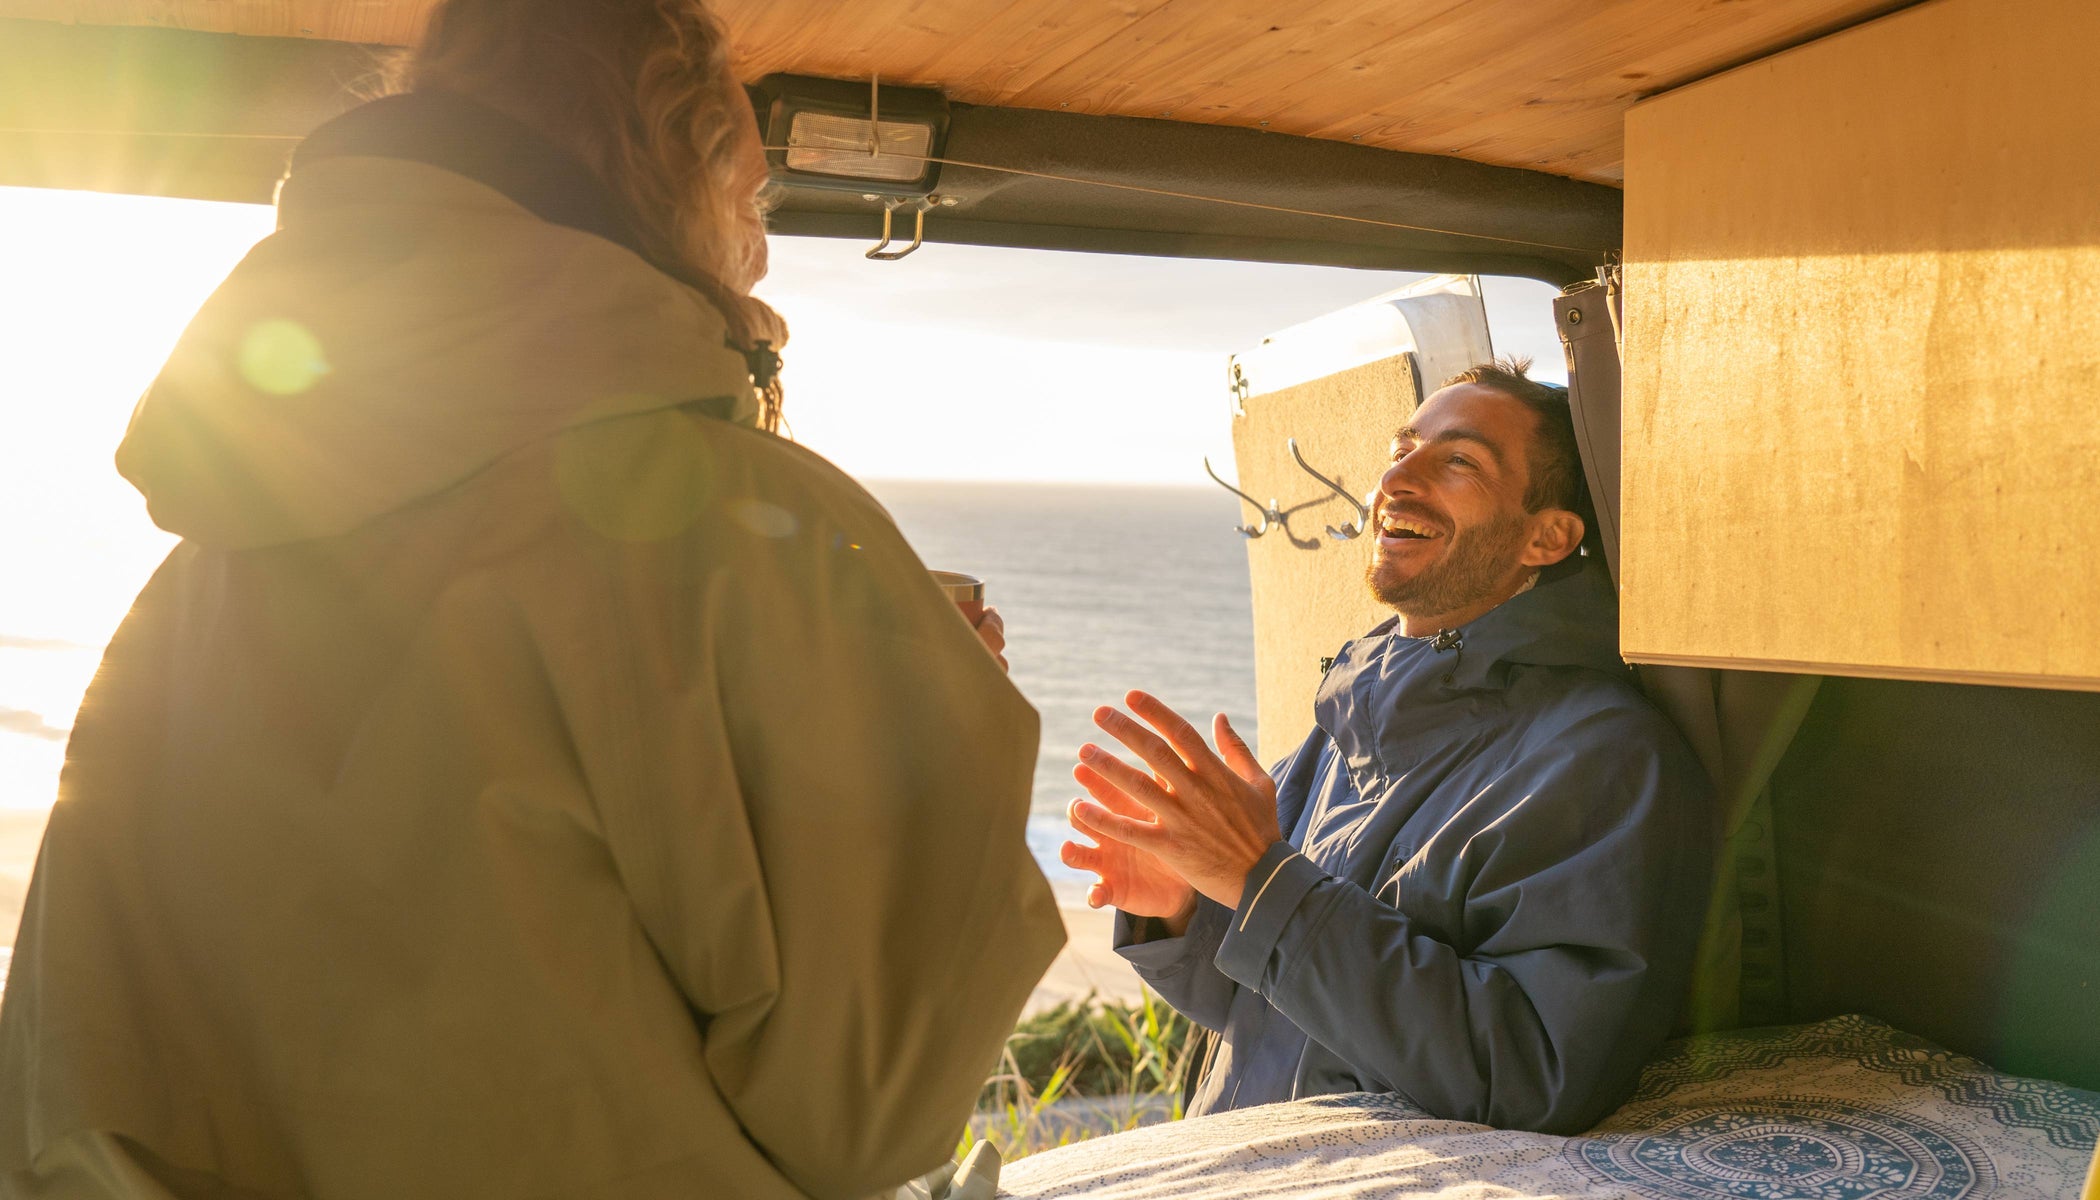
(1454, 536)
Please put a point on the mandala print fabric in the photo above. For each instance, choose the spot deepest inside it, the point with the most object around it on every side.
(1847, 1109)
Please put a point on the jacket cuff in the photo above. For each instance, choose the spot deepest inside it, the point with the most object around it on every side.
(1275, 888)
(1144, 942)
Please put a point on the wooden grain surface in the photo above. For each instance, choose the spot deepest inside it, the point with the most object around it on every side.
(1309, 590)
(1540, 84)
(1863, 355)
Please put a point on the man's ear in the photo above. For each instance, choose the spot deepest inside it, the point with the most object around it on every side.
(1555, 534)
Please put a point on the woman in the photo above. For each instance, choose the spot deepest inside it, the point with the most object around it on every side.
(529, 776)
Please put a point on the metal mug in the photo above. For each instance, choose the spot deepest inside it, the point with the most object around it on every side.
(966, 590)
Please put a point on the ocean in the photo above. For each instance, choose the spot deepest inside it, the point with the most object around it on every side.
(1104, 588)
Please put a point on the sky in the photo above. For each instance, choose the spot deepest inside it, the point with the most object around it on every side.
(970, 362)
(958, 363)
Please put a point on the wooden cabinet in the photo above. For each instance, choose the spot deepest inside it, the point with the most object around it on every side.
(1862, 380)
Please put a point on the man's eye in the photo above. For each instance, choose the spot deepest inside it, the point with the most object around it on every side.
(1460, 460)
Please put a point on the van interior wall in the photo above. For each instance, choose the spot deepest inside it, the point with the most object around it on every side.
(1938, 853)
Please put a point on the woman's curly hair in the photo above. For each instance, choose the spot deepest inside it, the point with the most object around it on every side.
(644, 92)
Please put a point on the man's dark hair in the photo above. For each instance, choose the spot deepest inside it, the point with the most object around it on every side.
(1555, 461)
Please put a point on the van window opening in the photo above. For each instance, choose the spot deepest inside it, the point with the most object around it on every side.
(1017, 410)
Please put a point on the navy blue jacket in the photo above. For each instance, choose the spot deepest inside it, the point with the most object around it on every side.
(1496, 870)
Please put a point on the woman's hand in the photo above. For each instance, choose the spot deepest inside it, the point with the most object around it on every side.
(991, 630)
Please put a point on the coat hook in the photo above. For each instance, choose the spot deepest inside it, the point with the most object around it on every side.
(1268, 515)
(1353, 529)
(882, 251)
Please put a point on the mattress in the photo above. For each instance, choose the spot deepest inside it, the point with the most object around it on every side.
(1844, 1109)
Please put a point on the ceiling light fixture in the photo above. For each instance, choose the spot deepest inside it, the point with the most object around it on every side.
(852, 137)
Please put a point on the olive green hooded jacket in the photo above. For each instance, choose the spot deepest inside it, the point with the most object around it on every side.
(526, 778)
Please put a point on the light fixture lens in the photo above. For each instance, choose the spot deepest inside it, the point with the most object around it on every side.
(825, 144)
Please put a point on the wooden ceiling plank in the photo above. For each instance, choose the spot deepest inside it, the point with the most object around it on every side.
(1148, 64)
(956, 45)
(1531, 105)
(1000, 64)
(1020, 67)
(1243, 49)
(1538, 84)
(1337, 112)
(1290, 95)
(1093, 76)
(1413, 67)
(1365, 37)
(1550, 110)
(816, 38)
(1167, 52)
(917, 50)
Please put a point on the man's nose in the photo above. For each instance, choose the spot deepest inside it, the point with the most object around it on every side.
(1400, 478)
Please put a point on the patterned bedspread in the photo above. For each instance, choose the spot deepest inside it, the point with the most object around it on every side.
(1846, 1109)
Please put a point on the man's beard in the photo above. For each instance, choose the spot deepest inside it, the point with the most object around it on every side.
(1476, 565)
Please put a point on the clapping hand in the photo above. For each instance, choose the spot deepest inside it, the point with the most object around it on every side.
(1196, 823)
(1130, 879)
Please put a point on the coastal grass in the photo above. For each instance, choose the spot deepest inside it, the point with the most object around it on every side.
(1083, 1069)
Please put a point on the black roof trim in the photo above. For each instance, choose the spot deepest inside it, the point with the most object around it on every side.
(215, 116)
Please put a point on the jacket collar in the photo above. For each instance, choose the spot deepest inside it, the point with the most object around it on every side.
(1387, 688)
(1569, 619)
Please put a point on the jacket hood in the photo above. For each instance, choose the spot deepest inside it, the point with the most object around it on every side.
(409, 324)
(1570, 619)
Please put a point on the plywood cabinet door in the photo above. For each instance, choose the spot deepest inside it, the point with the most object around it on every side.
(1863, 355)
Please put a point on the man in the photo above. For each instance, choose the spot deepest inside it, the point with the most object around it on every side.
(1478, 882)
